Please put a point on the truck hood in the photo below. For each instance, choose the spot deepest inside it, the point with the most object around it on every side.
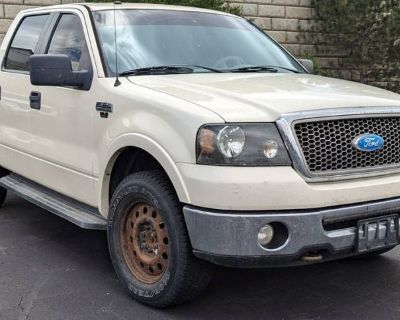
(261, 97)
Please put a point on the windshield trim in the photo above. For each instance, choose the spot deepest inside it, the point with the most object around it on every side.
(218, 13)
(280, 46)
(98, 43)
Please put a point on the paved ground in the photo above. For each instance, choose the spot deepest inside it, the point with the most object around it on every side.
(50, 269)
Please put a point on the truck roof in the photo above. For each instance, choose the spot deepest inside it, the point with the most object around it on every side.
(138, 6)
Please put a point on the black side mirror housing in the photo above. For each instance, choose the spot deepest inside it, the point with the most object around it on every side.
(308, 64)
(56, 70)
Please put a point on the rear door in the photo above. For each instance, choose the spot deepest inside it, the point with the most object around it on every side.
(15, 129)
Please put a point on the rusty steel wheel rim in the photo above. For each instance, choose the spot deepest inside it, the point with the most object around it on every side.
(145, 243)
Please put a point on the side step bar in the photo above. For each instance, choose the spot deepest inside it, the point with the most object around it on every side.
(80, 214)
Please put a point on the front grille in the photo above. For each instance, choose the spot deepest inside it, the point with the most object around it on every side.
(327, 144)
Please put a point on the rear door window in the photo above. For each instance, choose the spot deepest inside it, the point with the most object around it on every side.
(24, 42)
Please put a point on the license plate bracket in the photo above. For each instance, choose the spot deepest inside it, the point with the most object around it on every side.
(377, 233)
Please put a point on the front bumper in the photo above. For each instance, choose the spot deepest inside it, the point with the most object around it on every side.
(230, 238)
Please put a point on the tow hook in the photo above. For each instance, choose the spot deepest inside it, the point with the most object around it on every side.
(312, 257)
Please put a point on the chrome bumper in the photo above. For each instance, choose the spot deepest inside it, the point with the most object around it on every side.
(230, 238)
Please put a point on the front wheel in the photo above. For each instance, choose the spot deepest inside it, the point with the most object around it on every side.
(149, 244)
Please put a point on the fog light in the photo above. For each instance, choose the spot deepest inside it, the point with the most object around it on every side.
(265, 235)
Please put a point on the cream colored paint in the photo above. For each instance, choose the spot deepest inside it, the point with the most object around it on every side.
(264, 97)
(277, 188)
(162, 114)
(158, 123)
(51, 138)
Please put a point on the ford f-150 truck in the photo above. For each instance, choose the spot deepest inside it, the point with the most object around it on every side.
(194, 139)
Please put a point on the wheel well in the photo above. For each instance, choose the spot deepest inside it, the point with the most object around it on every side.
(3, 172)
(131, 160)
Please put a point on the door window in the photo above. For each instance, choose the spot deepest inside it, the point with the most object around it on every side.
(24, 43)
(69, 39)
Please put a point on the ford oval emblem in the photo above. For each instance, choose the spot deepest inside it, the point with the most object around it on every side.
(369, 142)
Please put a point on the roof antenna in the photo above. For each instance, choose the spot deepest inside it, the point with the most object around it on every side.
(117, 82)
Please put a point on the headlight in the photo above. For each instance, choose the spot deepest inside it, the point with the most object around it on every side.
(230, 141)
(241, 145)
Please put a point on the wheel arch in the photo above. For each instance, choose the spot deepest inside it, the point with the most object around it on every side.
(142, 153)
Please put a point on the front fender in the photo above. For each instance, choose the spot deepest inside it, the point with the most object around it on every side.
(150, 146)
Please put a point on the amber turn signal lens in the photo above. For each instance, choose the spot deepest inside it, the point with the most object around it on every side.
(207, 141)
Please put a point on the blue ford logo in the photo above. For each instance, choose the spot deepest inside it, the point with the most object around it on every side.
(369, 142)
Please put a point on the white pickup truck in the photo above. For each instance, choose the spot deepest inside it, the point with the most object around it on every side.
(194, 139)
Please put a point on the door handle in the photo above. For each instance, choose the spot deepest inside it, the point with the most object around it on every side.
(36, 100)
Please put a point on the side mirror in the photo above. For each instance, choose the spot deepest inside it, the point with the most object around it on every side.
(56, 70)
(308, 64)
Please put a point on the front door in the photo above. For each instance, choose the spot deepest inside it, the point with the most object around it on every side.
(62, 123)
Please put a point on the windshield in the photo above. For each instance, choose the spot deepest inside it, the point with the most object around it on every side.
(154, 38)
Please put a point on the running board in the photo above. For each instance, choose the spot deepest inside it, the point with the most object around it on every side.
(80, 214)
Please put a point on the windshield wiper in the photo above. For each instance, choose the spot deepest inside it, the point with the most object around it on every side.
(195, 66)
(273, 69)
(157, 70)
(172, 69)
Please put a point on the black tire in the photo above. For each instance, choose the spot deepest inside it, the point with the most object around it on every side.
(185, 277)
(3, 195)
